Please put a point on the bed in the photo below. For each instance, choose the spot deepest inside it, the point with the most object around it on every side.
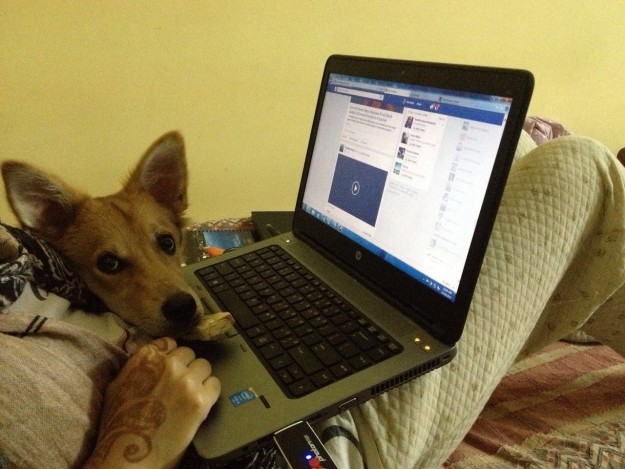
(561, 407)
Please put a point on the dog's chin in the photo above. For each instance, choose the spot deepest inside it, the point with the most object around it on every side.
(166, 328)
(177, 331)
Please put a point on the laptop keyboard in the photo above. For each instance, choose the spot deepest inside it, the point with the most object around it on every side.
(305, 333)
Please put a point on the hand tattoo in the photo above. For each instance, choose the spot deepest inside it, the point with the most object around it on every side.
(129, 416)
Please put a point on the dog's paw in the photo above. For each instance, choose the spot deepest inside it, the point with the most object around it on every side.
(211, 327)
(9, 246)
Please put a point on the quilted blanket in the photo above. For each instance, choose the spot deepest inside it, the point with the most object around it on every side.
(555, 263)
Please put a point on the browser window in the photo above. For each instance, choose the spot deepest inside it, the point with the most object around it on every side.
(402, 170)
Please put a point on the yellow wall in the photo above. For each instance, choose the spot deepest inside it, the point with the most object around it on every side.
(85, 87)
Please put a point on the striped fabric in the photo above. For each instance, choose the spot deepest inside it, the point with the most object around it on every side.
(564, 407)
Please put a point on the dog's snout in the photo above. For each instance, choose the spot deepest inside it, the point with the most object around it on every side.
(180, 307)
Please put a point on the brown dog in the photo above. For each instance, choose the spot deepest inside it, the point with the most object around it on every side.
(126, 246)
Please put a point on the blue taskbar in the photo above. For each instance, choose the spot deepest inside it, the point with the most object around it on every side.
(388, 258)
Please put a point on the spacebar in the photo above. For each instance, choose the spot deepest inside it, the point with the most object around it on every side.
(237, 307)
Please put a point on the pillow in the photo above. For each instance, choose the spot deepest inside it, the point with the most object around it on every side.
(26, 259)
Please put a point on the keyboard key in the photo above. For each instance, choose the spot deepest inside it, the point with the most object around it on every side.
(393, 348)
(327, 329)
(284, 288)
(212, 283)
(242, 289)
(302, 387)
(326, 354)
(253, 302)
(349, 327)
(273, 324)
(263, 287)
(233, 278)
(289, 342)
(235, 263)
(305, 359)
(295, 322)
(267, 316)
(363, 339)
(301, 305)
(239, 310)
(303, 330)
(253, 280)
(280, 361)
(285, 376)
(323, 378)
(259, 308)
(219, 288)
(224, 268)
(206, 271)
(255, 331)
(263, 340)
(347, 349)
(341, 370)
(360, 361)
(339, 319)
(317, 322)
(378, 354)
(285, 314)
(271, 350)
(294, 298)
(248, 295)
(273, 279)
(309, 313)
(336, 339)
(281, 332)
(296, 372)
(311, 339)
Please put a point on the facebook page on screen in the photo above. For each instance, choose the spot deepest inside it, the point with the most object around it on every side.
(403, 170)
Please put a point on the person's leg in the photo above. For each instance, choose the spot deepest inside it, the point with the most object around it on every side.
(555, 256)
(592, 285)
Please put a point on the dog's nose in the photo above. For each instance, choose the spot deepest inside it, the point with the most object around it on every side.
(180, 307)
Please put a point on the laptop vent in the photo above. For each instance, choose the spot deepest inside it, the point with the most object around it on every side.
(405, 377)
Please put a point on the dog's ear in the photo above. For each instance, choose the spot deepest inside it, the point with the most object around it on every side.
(41, 201)
(162, 173)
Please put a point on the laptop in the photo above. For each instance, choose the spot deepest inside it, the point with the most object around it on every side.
(403, 175)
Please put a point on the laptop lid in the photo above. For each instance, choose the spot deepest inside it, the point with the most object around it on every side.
(404, 172)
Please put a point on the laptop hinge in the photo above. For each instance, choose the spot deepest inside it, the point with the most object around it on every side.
(436, 331)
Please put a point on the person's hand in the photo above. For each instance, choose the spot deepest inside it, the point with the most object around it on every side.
(154, 407)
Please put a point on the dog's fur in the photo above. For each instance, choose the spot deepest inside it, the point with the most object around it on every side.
(127, 246)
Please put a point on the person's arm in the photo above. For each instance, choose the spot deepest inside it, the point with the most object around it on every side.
(154, 407)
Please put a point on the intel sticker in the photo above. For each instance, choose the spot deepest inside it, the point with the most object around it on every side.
(239, 398)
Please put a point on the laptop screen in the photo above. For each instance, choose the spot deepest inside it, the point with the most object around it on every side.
(402, 170)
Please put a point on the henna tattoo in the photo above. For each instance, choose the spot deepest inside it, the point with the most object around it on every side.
(129, 416)
(161, 344)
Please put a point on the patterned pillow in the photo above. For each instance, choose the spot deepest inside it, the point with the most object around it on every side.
(26, 259)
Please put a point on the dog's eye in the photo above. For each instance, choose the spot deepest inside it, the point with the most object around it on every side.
(167, 243)
(110, 263)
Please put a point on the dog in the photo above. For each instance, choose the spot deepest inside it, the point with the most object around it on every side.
(126, 247)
